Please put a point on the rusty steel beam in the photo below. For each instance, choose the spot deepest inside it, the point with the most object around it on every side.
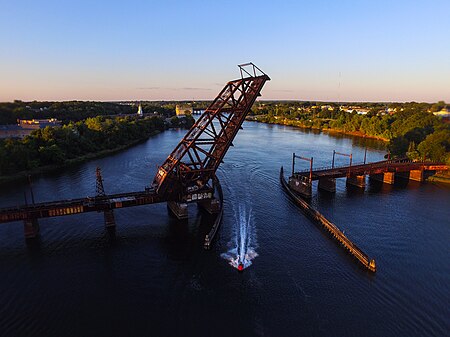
(196, 158)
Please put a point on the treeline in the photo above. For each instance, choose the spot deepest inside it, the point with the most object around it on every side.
(75, 140)
(76, 110)
(412, 131)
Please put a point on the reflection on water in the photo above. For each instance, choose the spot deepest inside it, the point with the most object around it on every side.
(155, 278)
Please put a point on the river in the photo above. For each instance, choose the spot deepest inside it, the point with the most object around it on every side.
(156, 279)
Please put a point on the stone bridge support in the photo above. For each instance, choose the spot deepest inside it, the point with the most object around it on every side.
(387, 177)
(358, 181)
(327, 184)
(212, 206)
(179, 209)
(416, 175)
(110, 221)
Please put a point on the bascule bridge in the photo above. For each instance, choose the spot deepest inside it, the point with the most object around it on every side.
(188, 173)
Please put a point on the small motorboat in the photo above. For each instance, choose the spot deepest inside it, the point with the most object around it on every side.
(240, 266)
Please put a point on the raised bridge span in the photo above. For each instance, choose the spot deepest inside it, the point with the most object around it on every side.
(188, 173)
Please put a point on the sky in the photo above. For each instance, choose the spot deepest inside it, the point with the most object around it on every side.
(187, 50)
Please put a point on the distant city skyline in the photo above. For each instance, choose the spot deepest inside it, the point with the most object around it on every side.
(348, 51)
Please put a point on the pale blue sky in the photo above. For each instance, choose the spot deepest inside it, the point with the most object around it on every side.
(138, 50)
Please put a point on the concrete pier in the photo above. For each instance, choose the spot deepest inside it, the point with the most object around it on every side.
(31, 228)
(301, 185)
(110, 221)
(416, 175)
(387, 177)
(179, 209)
(212, 206)
(358, 181)
(327, 184)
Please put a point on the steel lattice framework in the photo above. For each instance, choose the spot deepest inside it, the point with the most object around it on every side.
(198, 155)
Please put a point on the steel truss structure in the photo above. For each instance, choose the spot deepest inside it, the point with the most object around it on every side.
(194, 161)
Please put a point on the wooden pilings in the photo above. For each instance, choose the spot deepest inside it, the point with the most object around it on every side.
(337, 234)
(212, 233)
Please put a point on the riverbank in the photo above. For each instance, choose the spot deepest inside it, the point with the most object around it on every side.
(440, 178)
(325, 130)
(50, 168)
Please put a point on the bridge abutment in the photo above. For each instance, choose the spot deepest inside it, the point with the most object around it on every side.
(358, 181)
(179, 209)
(416, 175)
(110, 221)
(327, 184)
(31, 228)
(212, 206)
(387, 177)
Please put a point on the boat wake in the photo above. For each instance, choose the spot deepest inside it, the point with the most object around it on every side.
(243, 243)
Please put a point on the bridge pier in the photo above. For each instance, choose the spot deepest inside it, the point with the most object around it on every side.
(212, 206)
(179, 209)
(31, 228)
(327, 184)
(301, 185)
(110, 221)
(416, 175)
(358, 181)
(387, 177)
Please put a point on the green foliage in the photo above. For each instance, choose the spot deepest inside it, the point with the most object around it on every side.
(412, 130)
(53, 146)
(77, 110)
(436, 146)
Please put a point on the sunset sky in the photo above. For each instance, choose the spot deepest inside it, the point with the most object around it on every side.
(173, 50)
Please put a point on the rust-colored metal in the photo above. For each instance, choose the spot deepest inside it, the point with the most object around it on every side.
(393, 165)
(310, 160)
(196, 158)
(99, 189)
(185, 174)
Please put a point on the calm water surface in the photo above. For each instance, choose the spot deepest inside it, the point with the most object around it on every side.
(156, 279)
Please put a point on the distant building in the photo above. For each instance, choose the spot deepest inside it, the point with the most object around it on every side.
(37, 123)
(444, 113)
(183, 109)
(140, 112)
(25, 127)
(13, 131)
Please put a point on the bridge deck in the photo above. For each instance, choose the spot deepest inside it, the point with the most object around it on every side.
(398, 165)
(90, 204)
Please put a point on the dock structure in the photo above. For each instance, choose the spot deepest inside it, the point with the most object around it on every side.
(337, 234)
(212, 233)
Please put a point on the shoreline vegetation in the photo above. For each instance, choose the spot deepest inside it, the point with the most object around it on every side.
(74, 161)
(80, 139)
(409, 129)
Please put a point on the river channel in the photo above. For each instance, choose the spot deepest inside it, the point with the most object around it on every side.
(156, 279)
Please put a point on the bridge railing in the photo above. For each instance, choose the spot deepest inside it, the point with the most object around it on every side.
(357, 165)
